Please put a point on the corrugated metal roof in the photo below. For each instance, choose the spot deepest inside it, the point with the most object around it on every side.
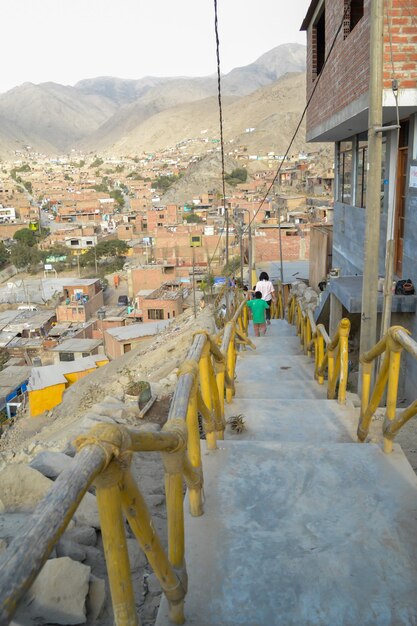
(77, 345)
(135, 331)
(50, 375)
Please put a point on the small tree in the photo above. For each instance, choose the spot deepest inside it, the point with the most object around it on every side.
(4, 255)
(25, 236)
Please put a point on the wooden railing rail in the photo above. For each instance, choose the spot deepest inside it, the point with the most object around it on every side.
(330, 355)
(389, 348)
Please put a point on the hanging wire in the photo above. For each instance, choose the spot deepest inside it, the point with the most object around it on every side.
(301, 118)
(219, 97)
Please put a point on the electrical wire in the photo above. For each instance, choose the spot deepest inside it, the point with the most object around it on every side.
(219, 98)
(301, 118)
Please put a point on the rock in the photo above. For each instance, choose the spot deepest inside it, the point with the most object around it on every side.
(87, 512)
(21, 488)
(51, 464)
(85, 535)
(137, 558)
(153, 584)
(150, 608)
(3, 545)
(58, 594)
(96, 598)
(73, 550)
(95, 559)
(91, 419)
(155, 500)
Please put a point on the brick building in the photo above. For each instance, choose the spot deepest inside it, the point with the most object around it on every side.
(339, 111)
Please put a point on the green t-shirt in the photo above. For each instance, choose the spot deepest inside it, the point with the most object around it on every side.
(258, 308)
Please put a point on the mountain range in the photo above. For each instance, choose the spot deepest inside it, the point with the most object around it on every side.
(108, 114)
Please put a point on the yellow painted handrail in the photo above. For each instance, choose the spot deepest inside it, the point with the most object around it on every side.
(103, 458)
(389, 348)
(330, 355)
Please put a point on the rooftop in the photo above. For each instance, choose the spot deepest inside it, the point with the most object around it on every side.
(77, 345)
(135, 331)
(49, 375)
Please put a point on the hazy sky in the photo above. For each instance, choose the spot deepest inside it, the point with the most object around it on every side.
(67, 40)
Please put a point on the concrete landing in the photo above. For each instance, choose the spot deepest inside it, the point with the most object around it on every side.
(298, 535)
(294, 420)
(275, 368)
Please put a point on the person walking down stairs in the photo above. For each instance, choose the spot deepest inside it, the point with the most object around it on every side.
(267, 290)
(259, 308)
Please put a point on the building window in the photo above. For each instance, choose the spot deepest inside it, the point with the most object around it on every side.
(84, 354)
(319, 44)
(155, 314)
(353, 12)
(345, 161)
(66, 356)
(360, 198)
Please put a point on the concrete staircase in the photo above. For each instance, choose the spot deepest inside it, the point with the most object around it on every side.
(302, 525)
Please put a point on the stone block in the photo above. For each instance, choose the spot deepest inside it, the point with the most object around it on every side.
(22, 487)
(73, 550)
(51, 464)
(84, 535)
(58, 594)
(96, 598)
(137, 558)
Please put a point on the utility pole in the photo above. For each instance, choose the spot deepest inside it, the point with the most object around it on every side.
(194, 298)
(373, 200)
(226, 211)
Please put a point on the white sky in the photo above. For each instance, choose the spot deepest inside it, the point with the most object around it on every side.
(67, 40)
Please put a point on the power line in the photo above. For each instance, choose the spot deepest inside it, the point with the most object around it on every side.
(219, 96)
(302, 116)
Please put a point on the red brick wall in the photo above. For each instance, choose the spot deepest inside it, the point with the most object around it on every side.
(294, 247)
(346, 75)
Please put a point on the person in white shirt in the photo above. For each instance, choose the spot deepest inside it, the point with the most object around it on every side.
(267, 290)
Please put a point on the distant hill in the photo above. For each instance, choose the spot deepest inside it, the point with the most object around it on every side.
(99, 113)
(273, 111)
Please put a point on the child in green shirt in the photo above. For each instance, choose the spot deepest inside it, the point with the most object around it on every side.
(258, 308)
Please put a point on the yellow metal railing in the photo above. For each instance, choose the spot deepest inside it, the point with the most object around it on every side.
(277, 305)
(104, 457)
(389, 348)
(330, 354)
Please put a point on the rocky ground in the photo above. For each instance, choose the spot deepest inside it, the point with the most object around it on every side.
(72, 587)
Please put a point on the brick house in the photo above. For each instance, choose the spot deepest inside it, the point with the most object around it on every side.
(81, 298)
(164, 303)
(338, 113)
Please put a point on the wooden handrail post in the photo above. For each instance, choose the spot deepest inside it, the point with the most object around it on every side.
(366, 416)
(231, 360)
(173, 463)
(115, 546)
(206, 391)
(140, 522)
(392, 386)
(194, 452)
(344, 328)
(320, 357)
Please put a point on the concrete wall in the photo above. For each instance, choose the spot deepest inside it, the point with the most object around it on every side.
(410, 271)
(349, 239)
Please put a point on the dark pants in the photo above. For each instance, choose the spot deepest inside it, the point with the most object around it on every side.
(268, 310)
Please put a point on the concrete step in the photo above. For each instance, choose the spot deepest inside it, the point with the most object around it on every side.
(297, 535)
(274, 344)
(277, 368)
(265, 387)
(311, 421)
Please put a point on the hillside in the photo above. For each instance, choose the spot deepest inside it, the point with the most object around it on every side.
(97, 113)
(273, 111)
